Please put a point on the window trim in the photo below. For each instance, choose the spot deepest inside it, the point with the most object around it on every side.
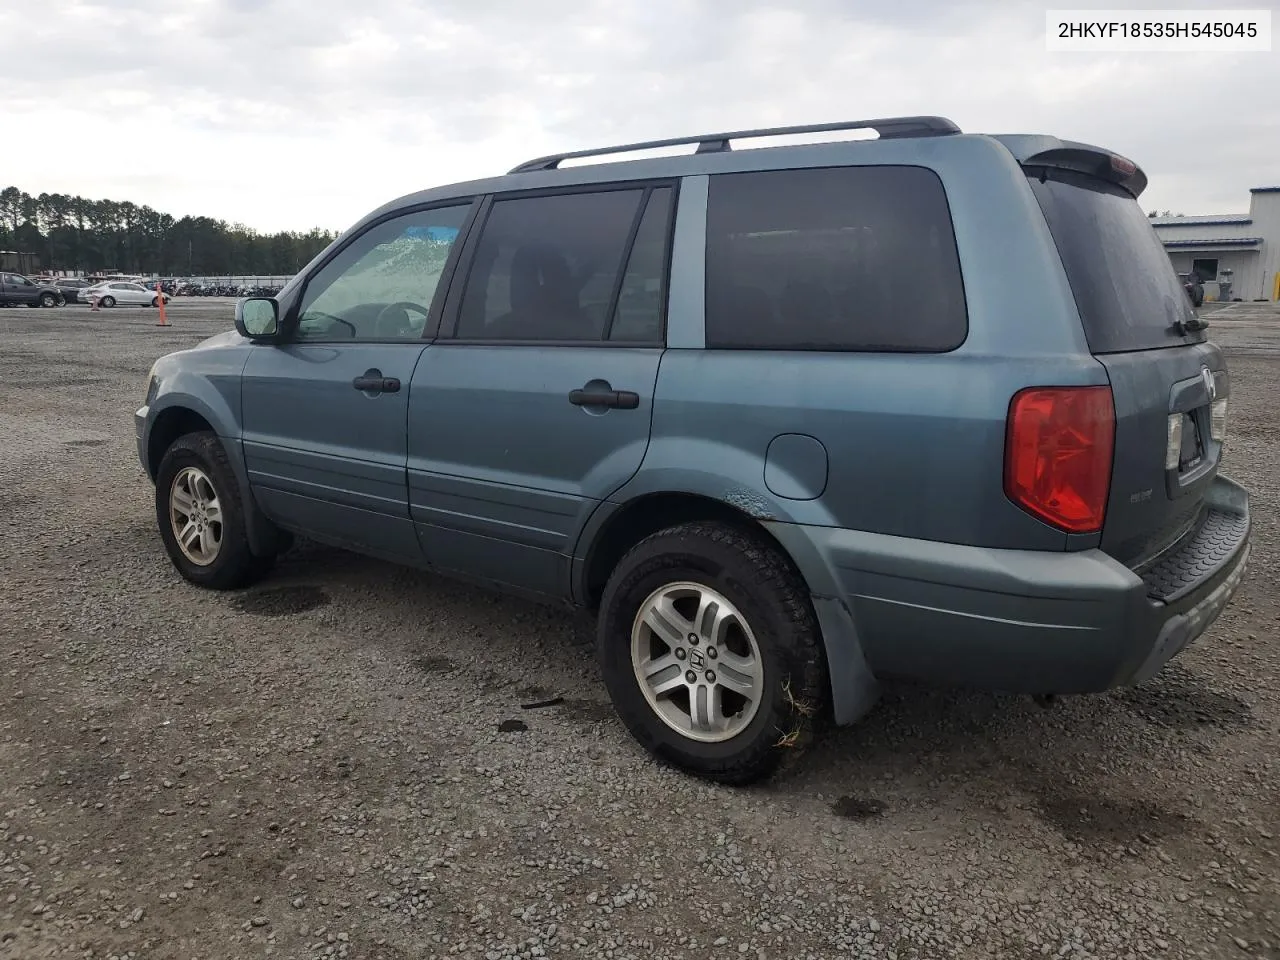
(453, 305)
(909, 351)
(431, 328)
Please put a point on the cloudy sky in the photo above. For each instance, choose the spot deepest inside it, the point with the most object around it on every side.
(288, 114)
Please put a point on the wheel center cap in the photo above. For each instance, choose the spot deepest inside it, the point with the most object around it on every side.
(696, 659)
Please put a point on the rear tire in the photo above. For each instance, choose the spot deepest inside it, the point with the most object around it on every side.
(771, 637)
(198, 499)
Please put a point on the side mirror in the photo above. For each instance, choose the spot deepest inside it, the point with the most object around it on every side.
(258, 318)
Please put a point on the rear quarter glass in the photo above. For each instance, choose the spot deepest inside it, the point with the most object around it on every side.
(1126, 291)
(856, 258)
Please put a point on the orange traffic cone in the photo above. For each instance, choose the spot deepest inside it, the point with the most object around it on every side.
(164, 321)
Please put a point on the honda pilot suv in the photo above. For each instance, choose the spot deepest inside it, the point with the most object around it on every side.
(789, 419)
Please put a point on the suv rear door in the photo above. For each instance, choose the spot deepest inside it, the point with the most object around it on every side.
(536, 403)
(1168, 381)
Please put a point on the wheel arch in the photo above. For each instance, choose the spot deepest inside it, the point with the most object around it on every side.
(629, 523)
(170, 424)
(183, 414)
(853, 687)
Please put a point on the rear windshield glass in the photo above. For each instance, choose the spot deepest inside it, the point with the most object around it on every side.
(1126, 290)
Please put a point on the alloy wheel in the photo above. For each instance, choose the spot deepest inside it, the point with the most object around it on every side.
(697, 662)
(195, 514)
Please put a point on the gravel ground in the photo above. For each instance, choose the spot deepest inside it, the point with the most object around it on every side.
(337, 763)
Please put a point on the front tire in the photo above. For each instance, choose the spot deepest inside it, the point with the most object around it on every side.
(107, 302)
(710, 649)
(48, 300)
(201, 515)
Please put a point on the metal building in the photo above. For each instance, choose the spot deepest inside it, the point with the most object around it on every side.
(1242, 249)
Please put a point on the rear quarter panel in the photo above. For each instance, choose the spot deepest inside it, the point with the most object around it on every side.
(914, 443)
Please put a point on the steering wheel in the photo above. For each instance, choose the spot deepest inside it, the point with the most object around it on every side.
(329, 316)
(402, 306)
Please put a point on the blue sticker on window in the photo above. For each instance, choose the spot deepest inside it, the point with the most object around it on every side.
(440, 234)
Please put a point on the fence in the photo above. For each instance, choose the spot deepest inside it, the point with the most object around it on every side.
(226, 281)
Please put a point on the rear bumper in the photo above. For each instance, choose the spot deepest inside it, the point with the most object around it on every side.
(1019, 621)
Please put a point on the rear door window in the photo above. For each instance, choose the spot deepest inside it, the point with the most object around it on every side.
(841, 258)
(638, 316)
(548, 268)
(1125, 287)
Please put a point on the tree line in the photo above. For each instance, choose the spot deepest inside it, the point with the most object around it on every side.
(69, 233)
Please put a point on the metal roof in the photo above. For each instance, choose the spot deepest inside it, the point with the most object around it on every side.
(1265, 190)
(1221, 242)
(1205, 221)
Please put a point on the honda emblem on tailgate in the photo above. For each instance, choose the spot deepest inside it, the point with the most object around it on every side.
(1207, 376)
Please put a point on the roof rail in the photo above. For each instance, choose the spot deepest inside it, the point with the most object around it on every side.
(888, 128)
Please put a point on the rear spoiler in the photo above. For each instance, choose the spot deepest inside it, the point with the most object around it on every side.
(1105, 166)
(1036, 151)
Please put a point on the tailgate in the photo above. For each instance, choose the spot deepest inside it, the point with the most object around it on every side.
(1166, 454)
(1168, 382)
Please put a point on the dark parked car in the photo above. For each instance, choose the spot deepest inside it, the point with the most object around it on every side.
(70, 287)
(17, 290)
(789, 420)
(1195, 288)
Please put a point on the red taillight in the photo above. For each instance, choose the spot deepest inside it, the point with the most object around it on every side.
(1057, 459)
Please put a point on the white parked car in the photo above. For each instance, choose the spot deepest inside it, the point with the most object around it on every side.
(122, 291)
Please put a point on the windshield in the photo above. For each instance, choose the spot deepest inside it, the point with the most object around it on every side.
(1126, 290)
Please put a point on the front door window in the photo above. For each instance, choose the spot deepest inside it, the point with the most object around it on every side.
(381, 286)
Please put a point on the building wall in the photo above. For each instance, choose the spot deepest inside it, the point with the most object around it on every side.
(1242, 263)
(1254, 268)
(1264, 207)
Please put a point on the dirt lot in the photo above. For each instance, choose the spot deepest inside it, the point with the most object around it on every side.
(320, 766)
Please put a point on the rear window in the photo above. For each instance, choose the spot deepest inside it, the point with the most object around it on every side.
(1125, 287)
(841, 258)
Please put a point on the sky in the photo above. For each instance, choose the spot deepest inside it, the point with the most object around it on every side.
(290, 114)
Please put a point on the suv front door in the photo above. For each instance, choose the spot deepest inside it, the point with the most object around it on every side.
(536, 406)
(324, 412)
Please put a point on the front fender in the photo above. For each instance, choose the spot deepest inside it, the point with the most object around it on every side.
(213, 394)
(214, 410)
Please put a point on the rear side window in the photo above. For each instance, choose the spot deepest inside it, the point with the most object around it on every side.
(841, 258)
(1126, 290)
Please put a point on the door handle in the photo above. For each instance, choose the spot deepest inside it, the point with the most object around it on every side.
(617, 399)
(375, 384)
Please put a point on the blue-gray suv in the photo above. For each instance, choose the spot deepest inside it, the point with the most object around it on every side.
(790, 419)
